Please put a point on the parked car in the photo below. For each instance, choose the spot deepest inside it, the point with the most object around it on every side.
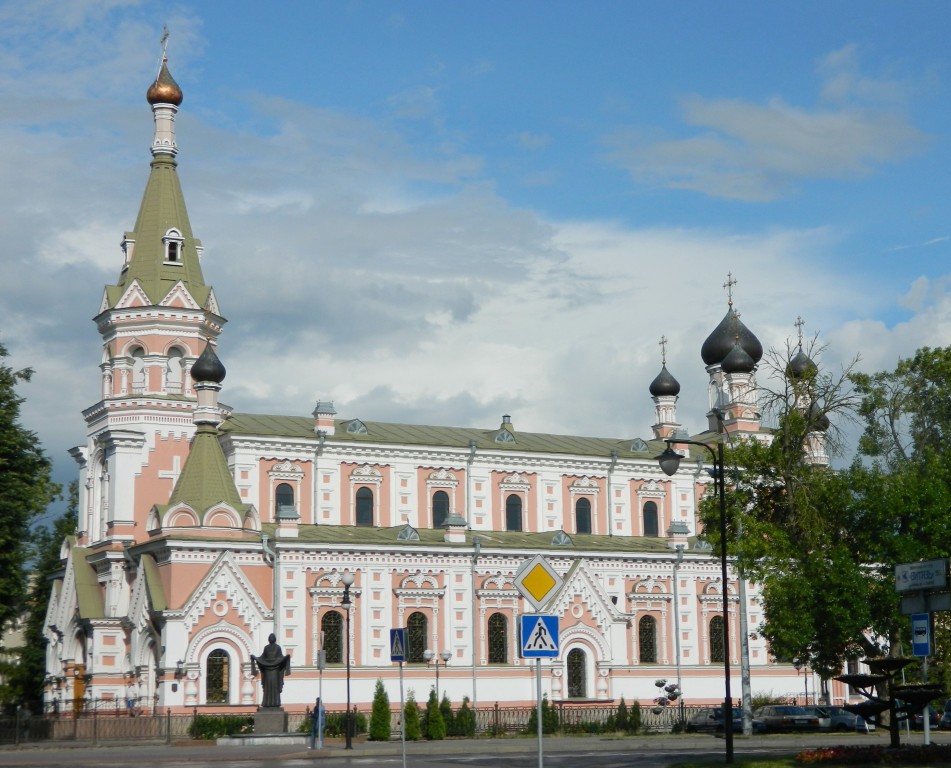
(945, 722)
(834, 718)
(917, 721)
(785, 718)
(710, 720)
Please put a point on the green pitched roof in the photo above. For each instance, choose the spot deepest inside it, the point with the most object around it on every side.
(163, 207)
(153, 583)
(378, 432)
(205, 480)
(88, 594)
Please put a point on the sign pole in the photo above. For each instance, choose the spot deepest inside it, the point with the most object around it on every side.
(402, 718)
(538, 694)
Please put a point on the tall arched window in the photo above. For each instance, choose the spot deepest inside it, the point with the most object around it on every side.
(217, 677)
(583, 516)
(513, 513)
(332, 627)
(650, 519)
(577, 684)
(440, 508)
(138, 370)
(174, 372)
(647, 640)
(417, 629)
(364, 506)
(717, 644)
(498, 639)
(283, 498)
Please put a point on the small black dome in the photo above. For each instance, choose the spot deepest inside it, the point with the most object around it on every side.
(725, 335)
(737, 360)
(208, 367)
(818, 418)
(664, 384)
(801, 367)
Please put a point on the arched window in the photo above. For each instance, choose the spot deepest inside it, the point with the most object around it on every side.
(138, 369)
(650, 519)
(498, 639)
(417, 629)
(364, 506)
(332, 627)
(440, 508)
(647, 640)
(513, 513)
(717, 645)
(217, 677)
(173, 372)
(283, 499)
(583, 516)
(577, 684)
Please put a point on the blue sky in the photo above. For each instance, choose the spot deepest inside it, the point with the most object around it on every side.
(444, 212)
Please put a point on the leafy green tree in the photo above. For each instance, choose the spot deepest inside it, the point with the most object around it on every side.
(435, 726)
(380, 714)
(26, 490)
(411, 725)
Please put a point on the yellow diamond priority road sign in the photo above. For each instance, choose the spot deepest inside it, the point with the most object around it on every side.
(537, 581)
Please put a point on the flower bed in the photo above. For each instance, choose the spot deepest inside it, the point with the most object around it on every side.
(934, 754)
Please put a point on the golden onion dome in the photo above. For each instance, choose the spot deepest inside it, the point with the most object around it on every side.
(164, 90)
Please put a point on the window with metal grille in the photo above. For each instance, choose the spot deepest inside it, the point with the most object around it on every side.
(417, 627)
(650, 519)
(647, 640)
(577, 685)
(332, 627)
(583, 516)
(498, 639)
(513, 513)
(364, 507)
(717, 646)
(440, 508)
(217, 677)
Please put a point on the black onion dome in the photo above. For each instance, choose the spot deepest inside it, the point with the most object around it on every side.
(737, 360)
(664, 384)
(725, 335)
(801, 367)
(208, 367)
(818, 418)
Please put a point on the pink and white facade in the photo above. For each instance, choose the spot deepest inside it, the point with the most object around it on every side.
(202, 531)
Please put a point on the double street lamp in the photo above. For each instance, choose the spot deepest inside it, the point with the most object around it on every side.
(346, 602)
(430, 656)
(669, 462)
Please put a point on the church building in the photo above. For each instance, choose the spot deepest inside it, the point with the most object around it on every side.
(203, 530)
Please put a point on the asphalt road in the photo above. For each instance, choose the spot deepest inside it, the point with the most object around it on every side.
(558, 752)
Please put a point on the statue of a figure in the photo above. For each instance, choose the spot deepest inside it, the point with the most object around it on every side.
(274, 664)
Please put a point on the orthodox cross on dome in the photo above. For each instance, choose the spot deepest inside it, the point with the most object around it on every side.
(730, 282)
(799, 324)
(663, 349)
(164, 41)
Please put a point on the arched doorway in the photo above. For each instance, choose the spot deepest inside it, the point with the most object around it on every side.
(577, 674)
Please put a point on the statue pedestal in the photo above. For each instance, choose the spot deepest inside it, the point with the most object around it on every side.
(270, 720)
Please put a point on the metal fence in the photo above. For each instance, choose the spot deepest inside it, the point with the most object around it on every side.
(102, 721)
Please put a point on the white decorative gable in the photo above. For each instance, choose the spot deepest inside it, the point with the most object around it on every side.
(226, 577)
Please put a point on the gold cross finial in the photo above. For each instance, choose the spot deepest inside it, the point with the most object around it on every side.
(164, 41)
(730, 282)
(663, 349)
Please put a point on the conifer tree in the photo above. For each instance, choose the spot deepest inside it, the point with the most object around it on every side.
(380, 714)
(464, 722)
(435, 725)
(445, 709)
(411, 725)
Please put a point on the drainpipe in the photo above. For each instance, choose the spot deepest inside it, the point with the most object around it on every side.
(472, 453)
(271, 552)
(607, 492)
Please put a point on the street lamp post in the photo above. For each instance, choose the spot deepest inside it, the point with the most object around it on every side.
(669, 461)
(430, 656)
(347, 580)
(680, 557)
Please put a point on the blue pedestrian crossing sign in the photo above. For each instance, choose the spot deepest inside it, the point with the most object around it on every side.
(398, 645)
(539, 636)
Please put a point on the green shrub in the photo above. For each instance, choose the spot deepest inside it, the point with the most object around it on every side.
(411, 727)
(445, 709)
(464, 723)
(622, 720)
(213, 726)
(380, 715)
(435, 726)
(634, 718)
(549, 718)
(335, 723)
